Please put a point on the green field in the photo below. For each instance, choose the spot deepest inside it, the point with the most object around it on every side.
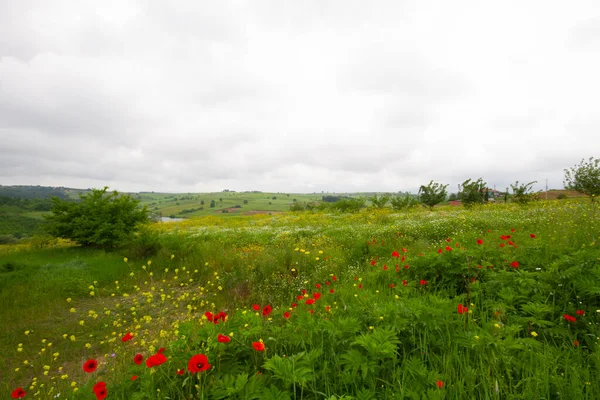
(373, 301)
(174, 204)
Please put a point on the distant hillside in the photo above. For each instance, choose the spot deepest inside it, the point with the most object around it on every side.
(34, 192)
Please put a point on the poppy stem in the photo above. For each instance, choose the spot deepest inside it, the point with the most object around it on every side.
(468, 292)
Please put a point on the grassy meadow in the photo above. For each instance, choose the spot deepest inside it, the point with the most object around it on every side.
(235, 203)
(496, 302)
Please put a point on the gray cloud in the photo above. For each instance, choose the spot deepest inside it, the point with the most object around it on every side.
(294, 96)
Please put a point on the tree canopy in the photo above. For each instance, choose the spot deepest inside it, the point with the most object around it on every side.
(432, 194)
(584, 178)
(99, 218)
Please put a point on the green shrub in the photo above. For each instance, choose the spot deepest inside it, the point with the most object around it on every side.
(98, 219)
(584, 178)
(473, 192)
(432, 194)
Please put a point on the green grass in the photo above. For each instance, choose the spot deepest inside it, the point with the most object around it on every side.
(173, 204)
(386, 331)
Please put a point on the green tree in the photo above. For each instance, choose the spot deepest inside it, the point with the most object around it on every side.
(473, 192)
(432, 194)
(400, 202)
(99, 218)
(213, 204)
(381, 200)
(584, 178)
(522, 192)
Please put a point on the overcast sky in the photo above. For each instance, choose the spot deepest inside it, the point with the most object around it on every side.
(296, 96)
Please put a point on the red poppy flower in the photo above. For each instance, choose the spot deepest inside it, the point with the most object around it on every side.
(373, 262)
(511, 243)
(502, 244)
(303, 291)
(580, 312)
(448, 240)
(128, 336)
(198, 363)
(423, 282)
(403, 259)
(404, 250)
(327, 308)
(331, 290)
(328, 283)
(316, 296)
(18, 393)
(334, 278)
(209, 316)
(90, 366)
(576, 343)
(161, 350)
(155, 360)
(360, 286)
(258, 346)
(134, 377)
(570, 318)
(223, 338)
(309, 301)
(479, 241)
(448, 248)
(514, 264)
(318, 286)
(395, 254)
(460, 309)
(255, 307)
(404, 282)
(180, 371)
(101, 393)
(100, 390)
(138, 359)
(385, 268)
(406, 266)
(98, 386)
(299, 297)
(440, 384)
(532, 235)
(222, 316)
(311, 311)
(286, 314)
(294, 305)
(266, 310)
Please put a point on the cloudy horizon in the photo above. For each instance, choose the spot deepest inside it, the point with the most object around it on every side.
(296, 96)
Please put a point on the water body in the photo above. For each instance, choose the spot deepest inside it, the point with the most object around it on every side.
(169, 219)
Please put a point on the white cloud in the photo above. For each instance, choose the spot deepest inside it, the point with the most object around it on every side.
(295, 96)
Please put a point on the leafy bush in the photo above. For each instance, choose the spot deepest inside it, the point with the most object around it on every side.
(380, 201)
(349, 205)
(584, 178)
(145, 244)
(473, 192)
(298, 206)
(97, 219)
(7, 239)
(404, 202)
(522, 192)
(432, 194)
